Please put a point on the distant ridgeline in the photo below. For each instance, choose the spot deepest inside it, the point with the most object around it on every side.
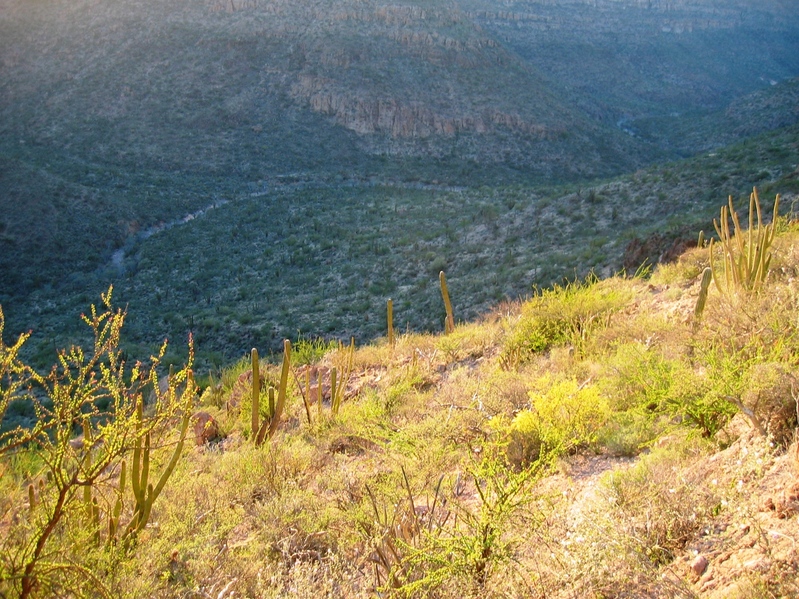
(117, 118)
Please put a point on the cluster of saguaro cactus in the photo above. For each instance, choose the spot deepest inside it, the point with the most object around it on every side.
(338, 385)
(144, 493)
(745, 257)
(264, 430)
(337, 388)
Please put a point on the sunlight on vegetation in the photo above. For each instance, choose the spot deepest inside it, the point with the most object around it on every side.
(434, 466)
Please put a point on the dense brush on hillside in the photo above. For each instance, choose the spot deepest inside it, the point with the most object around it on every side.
(625, 437)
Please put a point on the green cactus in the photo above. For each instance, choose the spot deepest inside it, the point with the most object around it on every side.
(306, 397)
(704, 287)
(390, 318)
(256, 391)
(701, 241)
(449, 323)
(144, 492)
(95, 520)
(319, 394)
(269, 425)
(337, 387)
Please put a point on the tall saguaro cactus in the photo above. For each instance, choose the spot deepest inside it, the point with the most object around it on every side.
(256, 391)
(390, 321)
(449, 323)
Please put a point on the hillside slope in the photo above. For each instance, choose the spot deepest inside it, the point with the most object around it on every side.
(118, 116)
(603, 439)
(295, 259)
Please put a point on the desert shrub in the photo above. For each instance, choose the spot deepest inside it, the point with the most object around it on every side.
(54, 533)
(639, 377)
(563, 315)
(687, 268)
(627, 433)
(562, 418)
(650, 386)
(309, 350)
(461, 547)
(505, 392)
(660, 505)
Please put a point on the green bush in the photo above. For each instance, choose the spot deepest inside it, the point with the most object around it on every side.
(563, 315)
(564, 417)
(56, 528)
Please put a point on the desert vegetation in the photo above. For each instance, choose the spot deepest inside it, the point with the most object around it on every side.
(292, 260)
(416, 299)
(625, 436)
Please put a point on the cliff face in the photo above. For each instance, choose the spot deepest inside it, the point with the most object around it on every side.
(365, 115)
(288, 84)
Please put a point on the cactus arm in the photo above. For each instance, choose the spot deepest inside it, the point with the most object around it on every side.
(144, 515)
(712, 265)
(184, 427)
(135, 479)
(145, 466)
(307, 397)
(271, 398)
(256, 391)
(113, 520)
(282, 391)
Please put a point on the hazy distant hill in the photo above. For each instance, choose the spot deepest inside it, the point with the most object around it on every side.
(119, 116)
(252, 88)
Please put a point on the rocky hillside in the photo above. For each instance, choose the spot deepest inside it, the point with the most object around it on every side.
(623, 438)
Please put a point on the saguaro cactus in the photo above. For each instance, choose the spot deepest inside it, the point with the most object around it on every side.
(390, 319)
(144, 493)
(449, 323)
(270, 424)
(256, 391)
(704, 287)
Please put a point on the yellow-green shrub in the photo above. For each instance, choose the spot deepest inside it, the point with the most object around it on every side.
(566, 416)
(564, 315)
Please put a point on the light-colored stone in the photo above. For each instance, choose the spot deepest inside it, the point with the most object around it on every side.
(699, 564)
(205, 428)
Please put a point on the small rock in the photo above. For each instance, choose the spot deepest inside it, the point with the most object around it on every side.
(709, 585)
(205, 428)
(758, 564)
(699, 564)
(768, 505)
